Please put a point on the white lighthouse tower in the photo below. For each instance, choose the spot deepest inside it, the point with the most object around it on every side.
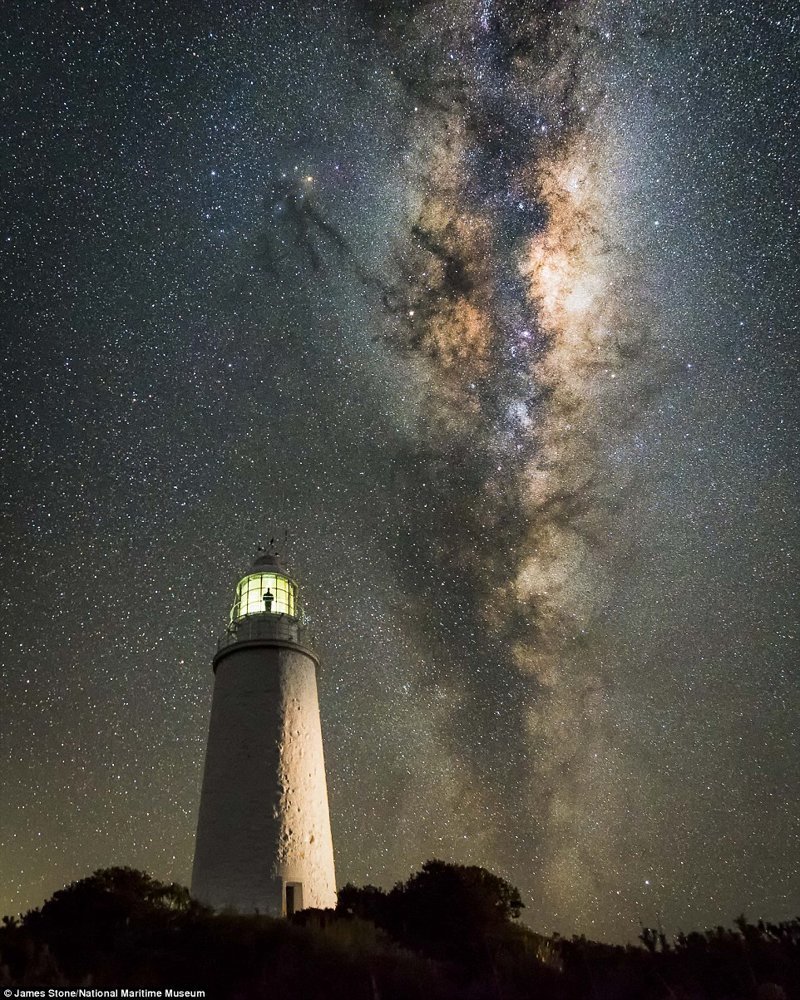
(264, 833)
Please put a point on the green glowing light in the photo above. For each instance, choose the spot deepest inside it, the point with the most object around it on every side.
(252, 590)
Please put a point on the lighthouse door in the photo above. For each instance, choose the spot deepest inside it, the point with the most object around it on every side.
(294, 897)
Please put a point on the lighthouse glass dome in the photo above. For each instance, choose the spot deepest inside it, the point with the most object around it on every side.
(250, 595)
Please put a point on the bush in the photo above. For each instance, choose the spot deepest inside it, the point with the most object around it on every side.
(448, 933)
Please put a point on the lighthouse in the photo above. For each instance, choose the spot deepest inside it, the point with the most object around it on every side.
(263, 832)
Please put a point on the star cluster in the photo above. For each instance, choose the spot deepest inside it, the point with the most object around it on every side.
(490, 305)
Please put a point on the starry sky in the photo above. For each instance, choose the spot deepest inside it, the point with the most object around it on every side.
(489, 307)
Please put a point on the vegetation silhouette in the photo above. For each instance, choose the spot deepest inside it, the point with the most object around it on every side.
(448, 932)
(446, 911)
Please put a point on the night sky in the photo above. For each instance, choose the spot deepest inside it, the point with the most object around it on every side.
(492, 307)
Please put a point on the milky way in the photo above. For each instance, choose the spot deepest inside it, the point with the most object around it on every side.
(490, 305)
(519, 301)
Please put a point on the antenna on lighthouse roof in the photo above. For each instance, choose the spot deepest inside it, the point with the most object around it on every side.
(272, 547)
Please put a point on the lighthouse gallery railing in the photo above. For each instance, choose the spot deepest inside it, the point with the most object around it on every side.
(267, 626)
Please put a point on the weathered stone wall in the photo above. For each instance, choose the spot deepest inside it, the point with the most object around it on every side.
(264, 813)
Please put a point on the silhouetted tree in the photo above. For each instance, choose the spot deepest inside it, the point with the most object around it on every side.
(92, 918)
(452, 911)
(367, 902)
(448, 932)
